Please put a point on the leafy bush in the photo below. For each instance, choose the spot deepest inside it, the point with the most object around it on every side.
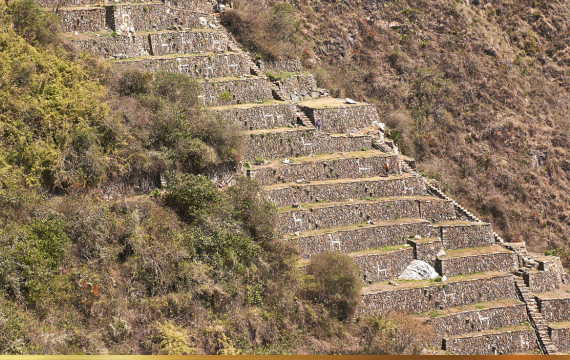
(38, 27)
(333, 279)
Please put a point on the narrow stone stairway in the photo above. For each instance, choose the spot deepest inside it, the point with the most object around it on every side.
(537, 321)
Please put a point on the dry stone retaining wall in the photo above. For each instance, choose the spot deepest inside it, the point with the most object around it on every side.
(467, 236)
(437, 210)
(365, 238)
(439, 296)
(380, 267)
(337, 191)
(554, 309)
(349, 214)
(509, 342)
(201, 6)
(242, 91)
(58, 3)
(426, 250)
(151, 16)
(345, 118)
(196, 67)
(164, 43)
(561, 339)
(479, 320)
(504, 262)
(541, 281)
(292, 66)
(293, 143)
(82, 20)
(259, 117)
(298, 87)
(341, 168)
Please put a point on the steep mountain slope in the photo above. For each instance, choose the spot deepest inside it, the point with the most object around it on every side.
(478, 94)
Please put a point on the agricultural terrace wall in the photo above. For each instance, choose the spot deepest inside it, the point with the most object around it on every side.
(201, 6)
(293, 143)
(541, 281)
(181, 42)
(384, 266)
(151, 16)
(554, 309)
(275, 67)
(355, 213)
(65, 3)
(340, 168)
(195, 66)
(439, 296)
(494, 343)
(466, 235)
(343, 119)
(479, 320)
(362, 238)
(82, 20)
(344, 190)
(298, 87)
(470, 264)
(259, 117)
(427, 249)
(560, 338)
(242, 91)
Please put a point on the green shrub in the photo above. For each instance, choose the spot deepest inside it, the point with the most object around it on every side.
(548, 253)
(37, 27)
(190, 195)
(333, 279)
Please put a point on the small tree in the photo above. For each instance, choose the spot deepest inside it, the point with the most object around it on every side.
(333, 279)
(226, 97)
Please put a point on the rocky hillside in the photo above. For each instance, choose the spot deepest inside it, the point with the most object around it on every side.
(476, 91)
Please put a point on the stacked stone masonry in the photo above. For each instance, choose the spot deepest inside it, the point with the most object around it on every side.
(298, 87)
(52, 4)
(435, 297)
(359, 239)
(160, 43)
(82, 20)
(427, 250)
(344, 190)
(294, 143)
(201, 6)
(495, 343)
(355, 213)
(259, 117)
(554, 309)
(541, 281)
(560, 338)
(150, 16)
(340, 168)
(479, 320)
(502, 261)
(195, 66)
(466, 235)
(345, 118)
(242, 91)
(275, 67)
(385, 266)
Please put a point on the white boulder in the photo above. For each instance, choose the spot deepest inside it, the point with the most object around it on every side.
(418, 270)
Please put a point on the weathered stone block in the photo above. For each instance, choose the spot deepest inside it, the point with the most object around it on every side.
(541, 281)
(342, 119)
(258, 117)
(468, 235)
(427, 249)
(82, 20)
(275, 67)
(560, 338)
(554, 309)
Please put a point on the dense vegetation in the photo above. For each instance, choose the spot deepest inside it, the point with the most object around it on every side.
(478, 94)
(192, 269)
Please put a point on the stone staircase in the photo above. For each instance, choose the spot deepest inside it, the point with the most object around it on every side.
(545, 344)
(329, 186)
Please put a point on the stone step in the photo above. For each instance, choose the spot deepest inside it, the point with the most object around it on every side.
(475, 260)
(338, 117)
(295, 142)
(156, 43)
(344, 189)
(196, 66)
(242, 90)
(360, 164)
(328, 215)
(360, 237)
